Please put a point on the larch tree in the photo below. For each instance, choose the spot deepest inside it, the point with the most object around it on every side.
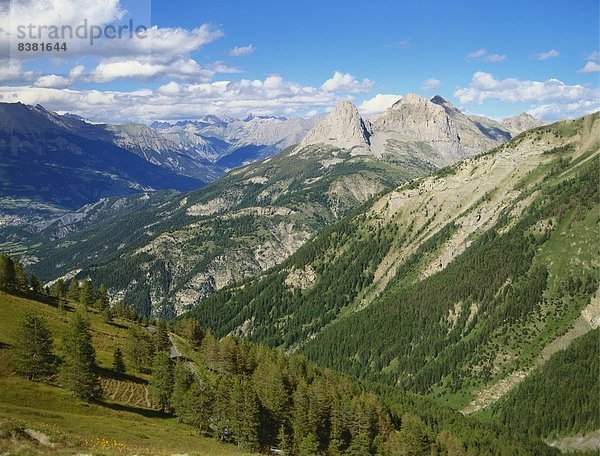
(79, 371)
(33, 355)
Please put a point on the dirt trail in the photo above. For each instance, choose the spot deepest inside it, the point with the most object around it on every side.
(588, 320)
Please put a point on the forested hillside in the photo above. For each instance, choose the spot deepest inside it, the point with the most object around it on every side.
(538, 406)
(75, 378)
(446, 285)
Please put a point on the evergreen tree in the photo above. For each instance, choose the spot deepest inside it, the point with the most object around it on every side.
(200, 404)
(8, 280)
(58, 289)
(192, 330)
(20, 276)
(140, 349)
(285, 442)
(244, 413)
(163, 342)
(118, 361)
(308, 446)
(102, 302)
(73, 291)
(32, 352)
(161, 382)
(182, 380)
(107, 314)
(36, 285)
(86, 294)
(79, 369)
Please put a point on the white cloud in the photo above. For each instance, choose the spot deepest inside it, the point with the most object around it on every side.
(590, 67)
(345, 82)
(482, 54)
(378, 103)
(431, 83)
(550, 99)
(164, 52)
(174, 100)
(558, 111)
(551, 54)
(241, 51)
(594, 56)
(52, 81)
(143, 69)
(172, 88)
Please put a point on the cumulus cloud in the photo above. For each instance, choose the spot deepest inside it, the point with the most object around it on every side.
(431, 83)
(551, 54)
(345, 82)
(551, 99)
(590, 67)
(176, 100)
(483, 54)
(241, 51)
(378, 103)
(158, 52)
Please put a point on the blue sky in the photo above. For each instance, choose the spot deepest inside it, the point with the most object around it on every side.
(491, 58)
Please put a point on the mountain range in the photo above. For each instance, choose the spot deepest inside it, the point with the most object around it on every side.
(459, 286)
(422, 250)
(255, 217)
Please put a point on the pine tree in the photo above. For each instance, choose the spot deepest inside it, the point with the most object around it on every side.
(118, 361)
(73, 291)
(102, 302)
(163, 342)
(58, 289)
(79, 369)
(140, 349)
(191, 330)
(182, 380)
(86, 294)
(285, 442)
(244, 413)
(308, 446)
(200, 404)
(20, 276)
(32, 352)
(36, 285)
(8, 280)
(161, 382)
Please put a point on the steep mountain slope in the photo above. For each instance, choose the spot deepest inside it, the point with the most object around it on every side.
(247, 222)
(191, 160)
(42, 418)
(231, 390)
(68, 163)
(446, 285)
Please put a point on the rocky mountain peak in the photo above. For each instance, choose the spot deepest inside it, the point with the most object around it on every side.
(343, 128)
(521, 122)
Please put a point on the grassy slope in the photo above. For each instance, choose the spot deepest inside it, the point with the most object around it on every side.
(107, 427)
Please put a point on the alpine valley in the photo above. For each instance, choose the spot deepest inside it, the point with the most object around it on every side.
(420, 282)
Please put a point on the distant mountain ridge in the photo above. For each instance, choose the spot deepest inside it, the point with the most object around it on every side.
(48, 158)
(432, 130)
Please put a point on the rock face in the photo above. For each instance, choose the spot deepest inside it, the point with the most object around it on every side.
(414, 128)
(445, 134)
(520, 123)
(343, 128)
